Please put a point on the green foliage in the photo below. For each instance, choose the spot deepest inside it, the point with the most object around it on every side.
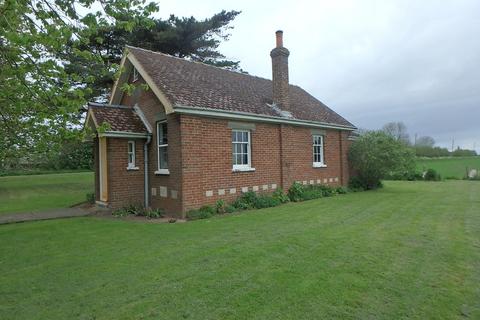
(41, 98)
(55, 55)
(246, 201)
(266, 201)
(121, 212)
(280, 195)
(374, 155)
(295, 193)
(202, 213)
(341, 190)
(220, 206)
(298, 192)
(90, 197)
(138, 210)
(230, 209)
(432, 175)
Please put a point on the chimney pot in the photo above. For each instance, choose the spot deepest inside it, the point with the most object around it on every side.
(279, 36)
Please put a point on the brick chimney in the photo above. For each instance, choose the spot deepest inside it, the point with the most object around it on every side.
(280, 72)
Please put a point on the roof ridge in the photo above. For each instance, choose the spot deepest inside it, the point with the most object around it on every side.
(203, 63)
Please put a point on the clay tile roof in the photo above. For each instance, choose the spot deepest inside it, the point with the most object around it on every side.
(120, 118)
(195, 84)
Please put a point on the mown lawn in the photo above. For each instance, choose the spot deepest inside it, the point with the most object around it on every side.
(41, 192)
(450, 167)
(411, 250)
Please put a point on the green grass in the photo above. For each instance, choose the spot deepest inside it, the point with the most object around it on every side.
(410, 250)
(41, 192)
(449, 167)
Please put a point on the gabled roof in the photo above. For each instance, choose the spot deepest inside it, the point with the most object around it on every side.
(187, 84)
(121, 119)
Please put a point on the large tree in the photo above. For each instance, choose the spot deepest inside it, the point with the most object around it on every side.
(197, 40)
(376, 154)
(397, 130)
(53, 59)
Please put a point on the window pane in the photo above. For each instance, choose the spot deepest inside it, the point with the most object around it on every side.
(245, 148)
(164, 133)
(239, 159)
(245, 159)
(163, 157)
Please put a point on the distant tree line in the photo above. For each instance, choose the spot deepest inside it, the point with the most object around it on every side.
(423, 146)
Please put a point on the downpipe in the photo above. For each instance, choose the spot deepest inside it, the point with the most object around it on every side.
(145, 157)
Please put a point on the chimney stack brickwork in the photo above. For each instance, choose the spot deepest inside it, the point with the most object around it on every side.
(280, 72)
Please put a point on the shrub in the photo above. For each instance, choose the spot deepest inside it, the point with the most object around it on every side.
(376, 155)
(432, 175)
(280, 196)
(220, 206)
(295, 193)
(230, 209)
(122, 212)
(153, 213)
(90, 197)
(311, 192)
(246, 201)
(202, 213)
(265, 201)
(341, 190)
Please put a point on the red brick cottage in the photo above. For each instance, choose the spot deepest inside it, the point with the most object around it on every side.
(200, 133)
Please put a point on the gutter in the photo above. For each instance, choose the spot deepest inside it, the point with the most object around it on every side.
(215, 113)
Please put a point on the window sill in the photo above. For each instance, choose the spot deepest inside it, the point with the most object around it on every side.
(243, 169)
(132, 168)
(162, 172)
(319, 165)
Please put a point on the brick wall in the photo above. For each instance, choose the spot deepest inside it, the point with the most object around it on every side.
(165, 190)
(207, 160)
(124, 186)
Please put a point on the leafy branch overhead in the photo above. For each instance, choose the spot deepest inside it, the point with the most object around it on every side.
(55, 55)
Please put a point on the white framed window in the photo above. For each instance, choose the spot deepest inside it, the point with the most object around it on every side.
(318, 151)
(241, 150)
(162, 147)
(135, 74)
(131, 156)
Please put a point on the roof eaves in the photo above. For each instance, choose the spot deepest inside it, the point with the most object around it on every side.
(238, 115)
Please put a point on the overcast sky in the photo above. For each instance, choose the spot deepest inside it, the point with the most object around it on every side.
(371, 61)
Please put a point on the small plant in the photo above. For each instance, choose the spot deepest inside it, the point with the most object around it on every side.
(341, 190)
(246, 201)
(154, 213)
(202, 213)
(432, 175)
(312, 192)
(90, 197)
(121, 212)
(230, 209)
(265, 201)
(220, 206)
(355, 184)
(280, 196)
(296, 191)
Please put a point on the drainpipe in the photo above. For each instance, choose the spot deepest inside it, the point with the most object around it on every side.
(145, 165)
